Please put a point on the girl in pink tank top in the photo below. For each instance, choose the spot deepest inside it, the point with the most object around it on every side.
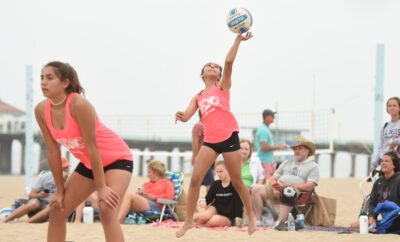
(220, 133)
(67, 118)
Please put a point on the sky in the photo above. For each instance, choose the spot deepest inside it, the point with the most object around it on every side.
(145, 57)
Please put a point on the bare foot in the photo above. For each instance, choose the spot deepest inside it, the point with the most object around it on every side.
(185, 227)
(252, 227)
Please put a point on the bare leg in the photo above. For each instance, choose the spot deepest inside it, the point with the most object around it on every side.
(284, 211)
(203, 217)
(233, 165)
(204, 159)
(258, 199)
(218, 221)
(79, 212)
(118, 181)
(132, 202)
(77, 189)
(40, 217)
(32, 205)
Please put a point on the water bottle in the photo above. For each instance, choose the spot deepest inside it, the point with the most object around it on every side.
(291, 223)
(300, 220)
(88, 213)
(363, 224)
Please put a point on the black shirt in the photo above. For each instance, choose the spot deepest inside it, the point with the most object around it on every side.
(226, 200)
(384, 190)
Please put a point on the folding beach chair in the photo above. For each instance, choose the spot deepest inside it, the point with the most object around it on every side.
(169, 205)
(304, 204)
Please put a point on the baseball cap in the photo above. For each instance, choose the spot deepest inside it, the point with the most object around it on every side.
(268, 112)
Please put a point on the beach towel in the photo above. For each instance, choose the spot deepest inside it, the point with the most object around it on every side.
(175, 225)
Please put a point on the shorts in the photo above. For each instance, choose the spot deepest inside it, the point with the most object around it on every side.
(208, 178)
(269, 169)
(299, 199)
(126, 165)
(153, 206)
(229, 145)
(42, 205)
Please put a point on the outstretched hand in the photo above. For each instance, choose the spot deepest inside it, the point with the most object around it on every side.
(180, 116)
(245, 37)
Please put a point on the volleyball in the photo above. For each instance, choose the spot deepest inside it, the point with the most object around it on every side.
(5, 212)
(239, 20)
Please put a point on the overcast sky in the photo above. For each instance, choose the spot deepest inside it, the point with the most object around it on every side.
(145, 56)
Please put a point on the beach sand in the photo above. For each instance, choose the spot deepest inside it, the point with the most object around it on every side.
(344, 190)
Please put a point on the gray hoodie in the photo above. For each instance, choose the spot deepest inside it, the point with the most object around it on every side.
(391, 131)
(293, 172)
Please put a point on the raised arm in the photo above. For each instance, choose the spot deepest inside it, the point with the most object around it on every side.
(190, 110)
(225, 82)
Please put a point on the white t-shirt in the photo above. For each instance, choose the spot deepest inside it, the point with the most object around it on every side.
(45, 181)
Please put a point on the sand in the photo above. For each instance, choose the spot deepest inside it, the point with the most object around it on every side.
(344, 190)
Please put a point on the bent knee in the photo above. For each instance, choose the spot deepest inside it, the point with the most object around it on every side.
(55, 213)
(107, 212)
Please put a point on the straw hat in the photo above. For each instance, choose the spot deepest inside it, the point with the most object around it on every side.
(301, 141)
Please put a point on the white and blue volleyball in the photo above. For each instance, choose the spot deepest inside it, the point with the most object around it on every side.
(239, 20)
(5, 212)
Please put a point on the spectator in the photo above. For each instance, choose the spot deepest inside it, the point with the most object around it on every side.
(146, 199)
(252, 170)
(223, 202)
(265, 144)
(387, 187)
(301, 173)
(39, 197)
(390, 134)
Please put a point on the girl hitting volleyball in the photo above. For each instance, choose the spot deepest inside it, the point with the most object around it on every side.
(220, 133)
(67, 118)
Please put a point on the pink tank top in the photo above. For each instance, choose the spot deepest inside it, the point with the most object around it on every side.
(110, 146)
(219, 123)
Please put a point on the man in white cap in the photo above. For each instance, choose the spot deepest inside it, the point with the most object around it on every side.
(301, 173)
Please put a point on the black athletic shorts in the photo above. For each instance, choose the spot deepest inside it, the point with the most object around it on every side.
(229, 145)
(126, 165)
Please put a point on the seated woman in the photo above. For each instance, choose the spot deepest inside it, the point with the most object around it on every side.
(146, 199)
(387, 187)
(223, 202)
(252, 170)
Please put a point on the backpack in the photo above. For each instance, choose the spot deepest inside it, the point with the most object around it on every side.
(390, 223)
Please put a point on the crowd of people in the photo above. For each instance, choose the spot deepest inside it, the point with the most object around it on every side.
(246, 183)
